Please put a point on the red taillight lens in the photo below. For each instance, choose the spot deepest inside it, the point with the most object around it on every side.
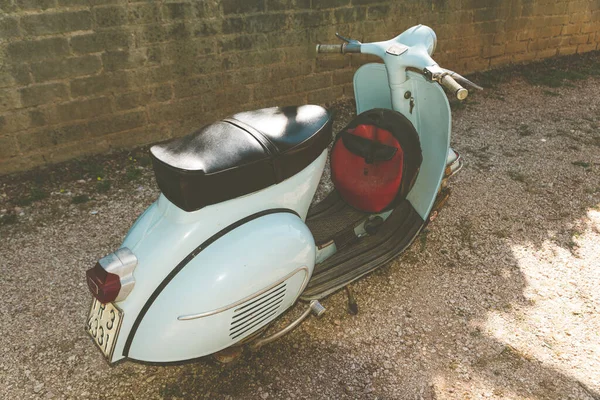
(104, 286)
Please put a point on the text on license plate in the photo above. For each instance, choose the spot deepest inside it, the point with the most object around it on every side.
(103, 325)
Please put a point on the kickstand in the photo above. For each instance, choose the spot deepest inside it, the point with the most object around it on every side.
(352, 306)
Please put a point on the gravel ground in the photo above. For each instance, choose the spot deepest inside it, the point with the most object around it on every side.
(497, 299)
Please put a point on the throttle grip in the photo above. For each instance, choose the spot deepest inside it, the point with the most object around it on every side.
(449, 83)
(330, 48)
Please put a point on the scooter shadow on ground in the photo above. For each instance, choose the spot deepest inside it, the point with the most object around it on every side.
(438, 295)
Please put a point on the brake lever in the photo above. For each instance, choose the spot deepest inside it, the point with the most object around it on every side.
(347, 40)
(462, 79)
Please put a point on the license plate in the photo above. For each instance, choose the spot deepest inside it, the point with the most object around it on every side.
(103, 325)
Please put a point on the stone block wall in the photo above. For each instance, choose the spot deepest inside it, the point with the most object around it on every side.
(80, 77)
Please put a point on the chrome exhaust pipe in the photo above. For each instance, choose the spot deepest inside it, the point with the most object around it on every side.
(314, 307)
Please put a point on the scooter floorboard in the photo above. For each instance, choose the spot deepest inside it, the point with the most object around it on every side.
(331, 216)
(365, 254)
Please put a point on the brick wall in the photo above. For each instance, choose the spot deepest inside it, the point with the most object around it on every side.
(86, 76)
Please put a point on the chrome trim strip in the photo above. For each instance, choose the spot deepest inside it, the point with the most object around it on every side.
(245, 299)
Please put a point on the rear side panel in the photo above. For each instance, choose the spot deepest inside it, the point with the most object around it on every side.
(233, 287)
(164, 236)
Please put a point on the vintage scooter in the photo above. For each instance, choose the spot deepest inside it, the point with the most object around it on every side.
(232, 241)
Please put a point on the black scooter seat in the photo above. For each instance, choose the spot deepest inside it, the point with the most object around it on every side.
(240, 154)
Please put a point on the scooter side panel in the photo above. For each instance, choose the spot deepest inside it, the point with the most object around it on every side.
(427, 108)
(371, 88)
(165, 235)
(433, 121)
(195, 314)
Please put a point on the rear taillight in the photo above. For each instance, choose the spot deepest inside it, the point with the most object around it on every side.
(103, 285)
(111, 279)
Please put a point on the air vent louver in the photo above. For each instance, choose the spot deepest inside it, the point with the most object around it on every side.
(256, 312)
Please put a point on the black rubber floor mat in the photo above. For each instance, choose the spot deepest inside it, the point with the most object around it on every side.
(331, 201)
(331, 216)
(366, 254)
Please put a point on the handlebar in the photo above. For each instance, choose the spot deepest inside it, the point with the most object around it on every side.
(411, 51)
(449, 83)
(338, 48)
(446, 78)
(330, 48)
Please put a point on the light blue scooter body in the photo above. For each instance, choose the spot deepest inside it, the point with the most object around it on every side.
(175, 313)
